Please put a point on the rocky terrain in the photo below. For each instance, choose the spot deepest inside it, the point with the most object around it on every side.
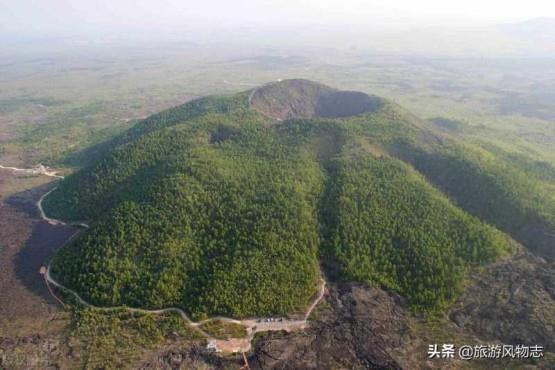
(363, 327)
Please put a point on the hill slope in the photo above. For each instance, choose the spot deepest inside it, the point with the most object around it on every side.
(218, 207)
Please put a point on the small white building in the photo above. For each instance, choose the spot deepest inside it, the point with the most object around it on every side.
(212, 346)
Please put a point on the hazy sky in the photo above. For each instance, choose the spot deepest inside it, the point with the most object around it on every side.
(74, 16)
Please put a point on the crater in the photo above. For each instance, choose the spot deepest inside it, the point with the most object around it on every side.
(307, 99)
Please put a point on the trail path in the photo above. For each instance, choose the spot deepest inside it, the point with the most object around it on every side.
(53, 221)
(253, 325)
(39, 170)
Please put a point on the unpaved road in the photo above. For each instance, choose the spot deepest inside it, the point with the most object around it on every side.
(253, 325)
(53, 221)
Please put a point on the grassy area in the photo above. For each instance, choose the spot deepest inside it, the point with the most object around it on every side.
(223, 330)
(116, 340)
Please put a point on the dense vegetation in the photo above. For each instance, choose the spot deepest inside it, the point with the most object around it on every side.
(514, 194)
(390, 227)
(117, 339)
(219, 209)
(224, 229)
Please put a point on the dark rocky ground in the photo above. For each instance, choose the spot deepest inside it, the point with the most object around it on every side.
(30, 320)
(362, 327)
(26, 243)
(513, 302)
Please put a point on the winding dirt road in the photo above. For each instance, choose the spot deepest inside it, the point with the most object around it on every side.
(53, 221)
(252, 325)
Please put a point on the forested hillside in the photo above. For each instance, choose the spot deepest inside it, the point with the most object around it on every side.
(513, 195)
(389, 226)
(220, 228)
(220, 207)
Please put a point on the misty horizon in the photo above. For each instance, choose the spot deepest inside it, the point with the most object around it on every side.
(31, 19)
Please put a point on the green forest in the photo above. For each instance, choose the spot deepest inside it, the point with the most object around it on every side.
(219, 209)
(388, 226)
